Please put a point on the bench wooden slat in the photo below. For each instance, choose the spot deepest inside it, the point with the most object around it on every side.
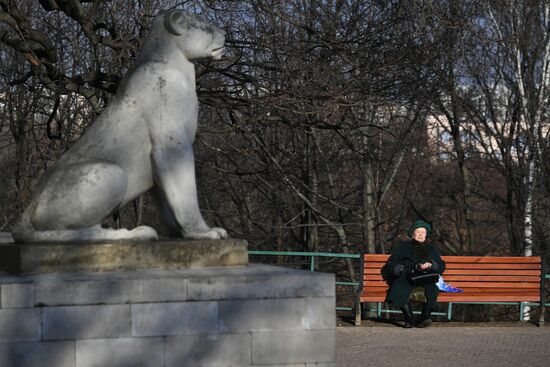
(459, 297)
(471, 278)
(467, 259)
(377, 283)
(379, 290)
(496, 285)
(378, 295)
(467, 298)
(376, 277)
(372, 288)
(376, 257)
(491, 259)
(494, 291)
(461, 265)
(492, 266)
(371, 271)
(478, 284)
(471, 297)
(485, 271)
(500, 278)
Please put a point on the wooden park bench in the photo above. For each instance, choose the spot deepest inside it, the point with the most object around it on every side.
(484, 279)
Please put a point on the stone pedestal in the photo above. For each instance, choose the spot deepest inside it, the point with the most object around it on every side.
(29, 258)
(218, 316)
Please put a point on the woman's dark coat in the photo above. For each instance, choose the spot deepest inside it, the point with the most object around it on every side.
(409, 255)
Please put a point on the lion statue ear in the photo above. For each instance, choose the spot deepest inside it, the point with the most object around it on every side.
(175, 22)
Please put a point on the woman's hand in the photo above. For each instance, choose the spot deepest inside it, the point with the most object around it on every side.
(426, 266)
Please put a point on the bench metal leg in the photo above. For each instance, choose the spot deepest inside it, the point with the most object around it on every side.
(521, 305)
(449, 311)
(379, 310)
(358, 314)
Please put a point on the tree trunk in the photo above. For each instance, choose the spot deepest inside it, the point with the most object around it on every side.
(369, 208)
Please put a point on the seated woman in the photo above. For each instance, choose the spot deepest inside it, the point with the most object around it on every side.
(414, 254)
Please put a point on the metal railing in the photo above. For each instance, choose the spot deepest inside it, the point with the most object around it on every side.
(312, 256)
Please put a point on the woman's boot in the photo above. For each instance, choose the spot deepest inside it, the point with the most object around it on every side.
(408, 316)
(425, 319)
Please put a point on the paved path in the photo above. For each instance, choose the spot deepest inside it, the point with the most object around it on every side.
(448, 346)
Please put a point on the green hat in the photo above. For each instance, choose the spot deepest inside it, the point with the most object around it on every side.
(420, 224)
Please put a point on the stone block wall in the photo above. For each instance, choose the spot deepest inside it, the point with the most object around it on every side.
(245, 316)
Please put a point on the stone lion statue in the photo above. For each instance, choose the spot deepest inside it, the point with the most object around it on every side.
(142, 141)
